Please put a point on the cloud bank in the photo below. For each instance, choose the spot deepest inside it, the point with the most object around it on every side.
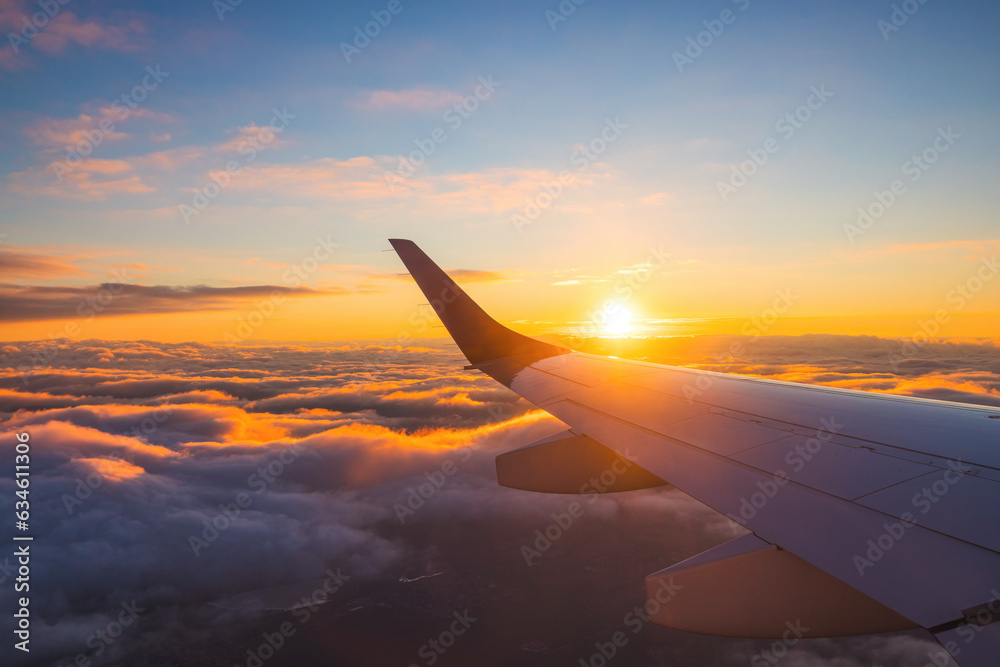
(200, 491)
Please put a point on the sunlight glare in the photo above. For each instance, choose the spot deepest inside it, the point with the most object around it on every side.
(618, 320)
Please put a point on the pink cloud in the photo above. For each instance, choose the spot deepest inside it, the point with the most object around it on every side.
(416, 99)
(96, 166)
(65, 29)
(94, 179)
(60, 133)
(80, 183)
(167, 160)
(358, 178)
(11, 59)
(57, 133)
(364, 179)
(254, 136)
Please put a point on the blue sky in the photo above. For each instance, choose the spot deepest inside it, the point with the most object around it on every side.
(559, 85)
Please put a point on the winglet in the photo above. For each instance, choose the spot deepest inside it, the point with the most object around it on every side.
(479, 336)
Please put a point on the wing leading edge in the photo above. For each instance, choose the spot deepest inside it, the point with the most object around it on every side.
(833, 485)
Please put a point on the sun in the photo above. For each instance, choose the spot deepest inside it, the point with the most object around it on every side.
(618, 320)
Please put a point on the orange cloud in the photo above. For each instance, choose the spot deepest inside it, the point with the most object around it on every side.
(58, 133)
(115, 470)
(384, 444)
(655, 199)
(65, 437)
(23, 264)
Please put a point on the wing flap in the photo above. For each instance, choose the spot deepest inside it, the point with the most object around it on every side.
(749, 588)
(572, 463)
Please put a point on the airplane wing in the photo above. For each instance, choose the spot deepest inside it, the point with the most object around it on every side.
(866, 512)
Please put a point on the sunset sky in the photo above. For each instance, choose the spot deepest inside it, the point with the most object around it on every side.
(195, 205)
(662, 216)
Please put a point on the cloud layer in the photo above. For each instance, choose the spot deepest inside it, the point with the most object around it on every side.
(213, 486)
(31, 303)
